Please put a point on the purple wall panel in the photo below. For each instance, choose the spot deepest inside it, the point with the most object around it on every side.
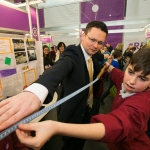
(109, 10)
(33, 15)
(41, 18)
(114, 38)
(13, 19)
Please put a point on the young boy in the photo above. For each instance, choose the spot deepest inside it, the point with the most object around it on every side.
(124, 127)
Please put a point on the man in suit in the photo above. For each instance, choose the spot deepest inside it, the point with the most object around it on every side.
(72, 71)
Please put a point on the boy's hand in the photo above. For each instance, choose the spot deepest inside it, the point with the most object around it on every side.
(44, 130)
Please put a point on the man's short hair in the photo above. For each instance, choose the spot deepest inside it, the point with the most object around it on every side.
(96, 24)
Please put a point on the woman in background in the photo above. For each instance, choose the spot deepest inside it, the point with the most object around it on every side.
(47, 60)
(61, 47)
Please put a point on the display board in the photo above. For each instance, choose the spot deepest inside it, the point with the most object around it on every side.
(19, 64)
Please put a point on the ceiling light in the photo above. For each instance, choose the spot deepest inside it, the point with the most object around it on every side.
(7, 3)
(52, 3)
(30, 3)
(123, 30)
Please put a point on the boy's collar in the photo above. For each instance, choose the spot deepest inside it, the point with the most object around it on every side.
(123, 92)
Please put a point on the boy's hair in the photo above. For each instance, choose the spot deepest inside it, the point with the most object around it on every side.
(117, 54)
(96, 24)
(141, 61)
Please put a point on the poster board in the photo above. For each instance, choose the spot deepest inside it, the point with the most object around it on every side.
(18, 64)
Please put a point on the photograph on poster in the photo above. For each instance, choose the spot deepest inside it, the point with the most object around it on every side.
(30, 43)
(20, 57)
(31, 55)
(18, 45)
(5, 46)
(29, 76)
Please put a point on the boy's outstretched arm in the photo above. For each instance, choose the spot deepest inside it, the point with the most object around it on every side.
(45, 130)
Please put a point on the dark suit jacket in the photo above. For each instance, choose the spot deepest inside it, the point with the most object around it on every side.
(71, 70)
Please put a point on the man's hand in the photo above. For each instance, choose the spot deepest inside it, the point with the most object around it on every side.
(17, 107)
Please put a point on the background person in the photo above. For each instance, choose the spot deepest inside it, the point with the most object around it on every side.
(61, 47)
(47, 59)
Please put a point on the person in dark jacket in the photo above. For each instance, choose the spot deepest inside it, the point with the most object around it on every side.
(47, 59)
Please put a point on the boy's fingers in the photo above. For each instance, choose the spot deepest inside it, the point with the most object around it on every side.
(25, 138)
(26, 127)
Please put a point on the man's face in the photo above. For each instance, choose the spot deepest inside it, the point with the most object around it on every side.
(93, 40)
(135, 81)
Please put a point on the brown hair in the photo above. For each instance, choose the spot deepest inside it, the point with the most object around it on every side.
(119, 47)
(117, 54)
(96, 24)
(141, 61)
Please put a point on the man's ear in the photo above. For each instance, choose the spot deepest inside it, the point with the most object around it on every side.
(83, 36)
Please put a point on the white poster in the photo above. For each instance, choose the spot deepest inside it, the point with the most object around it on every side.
(5, 46)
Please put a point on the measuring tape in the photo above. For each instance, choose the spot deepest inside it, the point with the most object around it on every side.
(11, 129)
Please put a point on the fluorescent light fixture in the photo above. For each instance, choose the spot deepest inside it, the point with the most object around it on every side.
(123, 22)
(123, 31)
(110, 32)
(7, 3)
(77, 29)
(30, 3)
(75, 33)
(52, 3)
